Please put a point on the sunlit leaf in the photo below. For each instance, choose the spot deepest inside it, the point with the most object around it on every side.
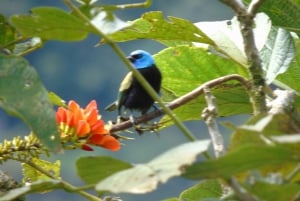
(107, 22)
(22, 94)
(186, 68)
(94, 169)
(51, 23)
(144, 178)
(31, 174)
(278, 53)
(152, 25)
(227, 36)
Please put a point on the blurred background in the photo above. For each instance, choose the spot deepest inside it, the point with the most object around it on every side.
(79, 71)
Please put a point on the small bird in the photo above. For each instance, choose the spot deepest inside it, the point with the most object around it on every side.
(132, 95)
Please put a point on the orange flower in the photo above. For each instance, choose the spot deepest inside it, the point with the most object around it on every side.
(84, 126)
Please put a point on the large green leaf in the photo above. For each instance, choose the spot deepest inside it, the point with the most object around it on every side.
(152, 25)
(143, 178)
(283, 13)
(51, 24)
(186, 68)
(242, 159)
(93, 169)
(22, 94)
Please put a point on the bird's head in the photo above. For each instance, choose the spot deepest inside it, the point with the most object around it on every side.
(141, 59)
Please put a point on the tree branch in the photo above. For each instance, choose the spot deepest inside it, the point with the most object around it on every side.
(181, 100)
(245, 17)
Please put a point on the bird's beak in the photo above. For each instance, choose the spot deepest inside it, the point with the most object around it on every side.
(131, 59)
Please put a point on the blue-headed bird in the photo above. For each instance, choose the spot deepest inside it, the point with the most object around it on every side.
(132, 95)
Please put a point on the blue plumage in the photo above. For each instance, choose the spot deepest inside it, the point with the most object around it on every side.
(131, 94)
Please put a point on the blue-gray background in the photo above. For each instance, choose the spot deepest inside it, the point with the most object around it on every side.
(79, 71)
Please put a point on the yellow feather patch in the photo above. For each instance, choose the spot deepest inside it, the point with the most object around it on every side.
(125, 84)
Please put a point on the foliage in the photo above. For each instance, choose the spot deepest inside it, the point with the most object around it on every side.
(262, 159)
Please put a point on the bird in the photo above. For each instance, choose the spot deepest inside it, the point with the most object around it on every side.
(131, 94)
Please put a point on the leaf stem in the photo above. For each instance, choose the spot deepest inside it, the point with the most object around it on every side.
(135, 72)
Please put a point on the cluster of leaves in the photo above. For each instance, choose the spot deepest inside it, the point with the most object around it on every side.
(258, 155)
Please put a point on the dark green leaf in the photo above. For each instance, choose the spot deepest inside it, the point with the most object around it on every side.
(7, 33)
(266, 191)
(152, 25)
(283, 13)
(51, 24)
(22, 94)
(94, 169)
(242, 159)
(202, 191)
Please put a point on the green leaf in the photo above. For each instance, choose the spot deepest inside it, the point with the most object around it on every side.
(7, 33)
(242, 159)
(283, 13)
(93, 169)
(267, 191)
(38, 186)
(277, 53)
(51, 24)
(22, 94)
(202, 191)
(152, 25)
(144, 178)
(227, 36)
(56, 100)
(31, 174)
(186, 68)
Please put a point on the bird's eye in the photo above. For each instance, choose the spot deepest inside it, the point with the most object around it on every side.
(137, 56)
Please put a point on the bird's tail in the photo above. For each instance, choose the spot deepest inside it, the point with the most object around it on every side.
(111, 107)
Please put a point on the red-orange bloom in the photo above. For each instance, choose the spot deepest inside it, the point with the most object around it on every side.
(84, 126)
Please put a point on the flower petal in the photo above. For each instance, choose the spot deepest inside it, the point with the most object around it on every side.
(83, 128)
(99, 128)
(105, 141)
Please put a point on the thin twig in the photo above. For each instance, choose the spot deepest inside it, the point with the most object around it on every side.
(241, 193)
(209, 115)
(182, 100)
